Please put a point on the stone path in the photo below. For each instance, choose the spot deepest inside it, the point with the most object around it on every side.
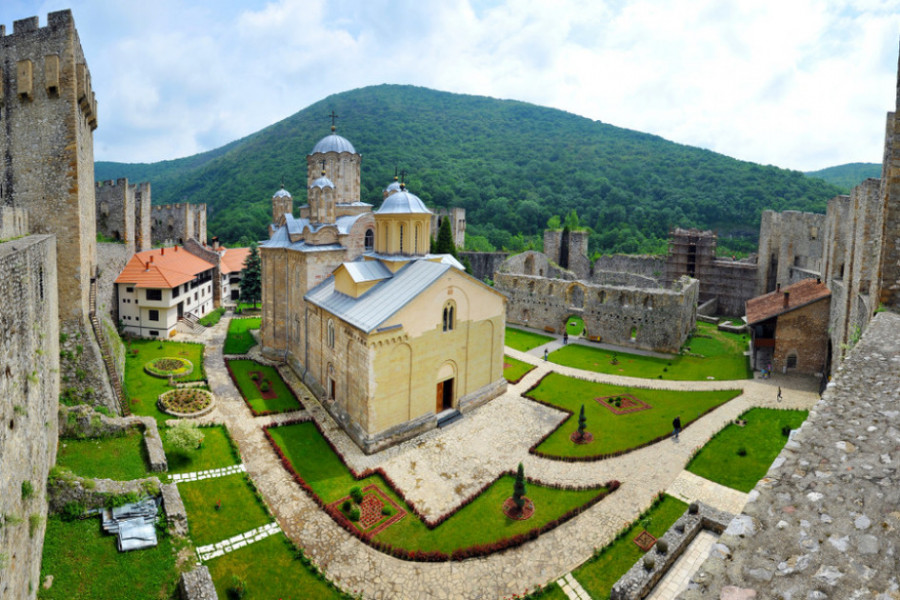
(198, 475)
(679, 575)
(690, 487)
(572, 588)
(237, 542)
(438, 469)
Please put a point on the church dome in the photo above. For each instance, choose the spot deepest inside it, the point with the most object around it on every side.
(394, 187)
(402, 203)
(333, 143)
(282, 193)
(322, 182)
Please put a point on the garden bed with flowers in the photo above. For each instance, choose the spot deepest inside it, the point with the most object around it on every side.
(186, 402)
(169, 366)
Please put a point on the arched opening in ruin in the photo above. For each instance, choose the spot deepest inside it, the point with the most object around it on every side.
(634, 332)
(575, 296)
(529, 264)
(574, 326)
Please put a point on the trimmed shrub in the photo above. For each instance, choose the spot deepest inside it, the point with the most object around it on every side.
(354, 514)
(356, 494)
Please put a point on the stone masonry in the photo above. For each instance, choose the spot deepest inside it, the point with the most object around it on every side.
(29, 389)
(174, 223)
(824, 523)
(123, 213)
(457, 218)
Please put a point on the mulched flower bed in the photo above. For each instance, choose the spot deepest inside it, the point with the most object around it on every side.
(269, 393)
(371, 520)
(587, 438)
(185, 401)
(512, 511)
(645, 540)
(169, 366)
(623, 404)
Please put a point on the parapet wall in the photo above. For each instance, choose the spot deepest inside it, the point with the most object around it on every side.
(652, 319)
(645, 265)
(824, 521)
(120, 206)
(29, 389)
(174, 223)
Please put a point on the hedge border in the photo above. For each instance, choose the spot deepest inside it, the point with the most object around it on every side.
(476, 551)
(598, 457)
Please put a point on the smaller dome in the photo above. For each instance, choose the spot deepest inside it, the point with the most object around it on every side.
(394, 187)
(282, 193)
(322, 182)
(402, 203)
(333, 143)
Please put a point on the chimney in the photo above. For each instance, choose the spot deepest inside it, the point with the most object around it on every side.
(151, 258)
(787, 297)
(176, 247)
(162, 251)
(777, 287)
(818, 280)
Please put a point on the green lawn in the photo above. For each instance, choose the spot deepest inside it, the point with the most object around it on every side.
(762, 440)
(213, 317)
(270, 570)
(575, 326)
(239, 340)
(524, 341)
(240, 511)
(722, 359)
(246, 307)
(120, 458)
(600, 573)
(215, 452)
(284, 401)
(86, 565)
(612, 432)
(480, 522)
(143, 390)
(514, 370)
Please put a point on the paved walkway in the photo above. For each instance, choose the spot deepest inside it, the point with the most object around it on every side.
(237, 542)
(690, 487)
(209, 474)
(679, 575)
(438, 469)
(572, 588)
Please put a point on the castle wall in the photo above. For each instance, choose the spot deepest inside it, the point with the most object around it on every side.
(29, 388)
(115, 211)
(890, 193)
(652, 319)
(791, 248)
(804, 333)
(172, 224)
(484, 264)
(646, 266)
(13, 222)
(457, 218)
(569, 250)
(143, 239)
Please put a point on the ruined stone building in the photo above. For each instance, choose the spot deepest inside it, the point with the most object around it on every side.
(389, 337)
(457, 218)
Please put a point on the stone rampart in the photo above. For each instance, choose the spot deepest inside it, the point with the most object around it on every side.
(13, 222)
(568, 249)
(174, 223)
(29, 392)
(646, 265)
(786, 240)
(824, 522)
(484, 264)
(123, 211)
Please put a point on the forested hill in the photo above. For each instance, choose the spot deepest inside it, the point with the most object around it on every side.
(848, 176)
(512, 165)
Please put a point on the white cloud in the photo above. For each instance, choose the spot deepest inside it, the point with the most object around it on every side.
(802, 84)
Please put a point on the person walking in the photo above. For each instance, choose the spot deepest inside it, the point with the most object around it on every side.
(676, 426)
(565, 337)
(545, 355)
(779, 394)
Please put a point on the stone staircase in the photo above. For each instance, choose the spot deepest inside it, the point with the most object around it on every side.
(114, 381)
(190, 323)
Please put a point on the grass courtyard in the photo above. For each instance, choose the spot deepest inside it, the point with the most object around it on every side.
(276, 399)
(239, 340)
(221, 507)
(524, 341)
(738, 457)
(142, 389)
(600, 573)
(480, 522)
(86, 565)
(721, 357)
(119, 458)
(215, 452)
(514, 370)
(617, 432)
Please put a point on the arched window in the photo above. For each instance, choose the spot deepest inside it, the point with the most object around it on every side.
(449, 317)
(416, 242)
(330, 333)
(401, 239)
(369, 240)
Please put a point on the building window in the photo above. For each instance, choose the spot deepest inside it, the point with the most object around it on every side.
(369, 240)
(330, 333)
(154, 333)
(792, 361)
(449, 318)
(153, 315)
(129, 289)
(154, 294)
(401, 239)
(195, 296)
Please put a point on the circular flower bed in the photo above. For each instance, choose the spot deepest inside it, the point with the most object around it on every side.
(186, 402)
(169, 366)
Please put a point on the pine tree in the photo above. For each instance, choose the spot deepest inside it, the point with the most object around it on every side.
(519, 488)
(251, 277)
(582, 423)
(445, 243)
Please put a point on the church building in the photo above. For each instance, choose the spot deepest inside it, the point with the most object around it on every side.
(393, 340)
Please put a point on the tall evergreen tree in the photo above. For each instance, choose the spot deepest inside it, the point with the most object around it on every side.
(251, 277)
(445, 243)
(582, 423)
(519, 488)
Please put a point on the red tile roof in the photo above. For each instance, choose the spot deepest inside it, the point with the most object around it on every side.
(233, 260)
(162, 268)
(772, 304)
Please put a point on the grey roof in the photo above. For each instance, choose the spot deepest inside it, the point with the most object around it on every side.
(403, 203)
(367, 270)
(322, 182)
(446, 259)
(282, 239)
(333, 143)
(384, 299)
(282, 193)
(297, 226)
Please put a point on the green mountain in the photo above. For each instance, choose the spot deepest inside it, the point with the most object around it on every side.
(512, 165)
(848, 176)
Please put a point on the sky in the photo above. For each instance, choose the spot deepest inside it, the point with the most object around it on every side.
(800, 84)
